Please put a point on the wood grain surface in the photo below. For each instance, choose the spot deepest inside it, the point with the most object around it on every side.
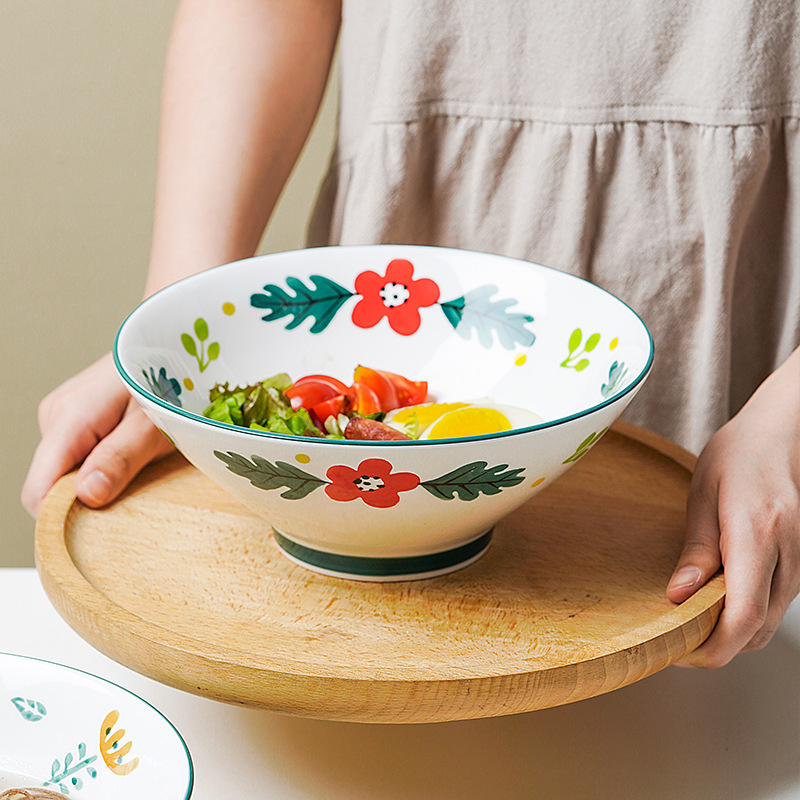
(180, 582)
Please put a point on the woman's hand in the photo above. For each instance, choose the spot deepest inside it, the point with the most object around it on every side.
(91, 420)
(744, 515)
(242, 87)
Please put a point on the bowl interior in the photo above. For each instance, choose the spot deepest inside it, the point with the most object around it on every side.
(473, 325)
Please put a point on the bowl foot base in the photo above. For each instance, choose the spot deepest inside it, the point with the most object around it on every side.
(383, 570)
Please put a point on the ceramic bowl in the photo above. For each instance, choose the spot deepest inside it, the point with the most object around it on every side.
(472, 325)
(79, 735)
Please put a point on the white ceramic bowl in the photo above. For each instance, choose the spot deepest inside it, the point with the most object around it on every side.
(79, 735)
(473, 325)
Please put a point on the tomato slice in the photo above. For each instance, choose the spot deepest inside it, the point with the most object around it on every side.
(373, 390)
(358, 399)
(364, 399)
(392, 390)
(331, 408)
(311, 390)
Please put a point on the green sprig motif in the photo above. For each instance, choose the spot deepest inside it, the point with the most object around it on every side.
(69, 770)
(584, 447)
(204, 358)
(574, 360)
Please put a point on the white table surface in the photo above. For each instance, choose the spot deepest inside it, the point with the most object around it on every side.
(682, 733)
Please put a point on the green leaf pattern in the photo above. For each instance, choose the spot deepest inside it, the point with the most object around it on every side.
(471, 480)
(265, 475)
(574, 360)
(30, 710)
(321, 301)
(466, 482)
(161, 385)
(477, 312)
(583, 448)
(204, 356)
(321, 298)
(616, 377)
(67, 776)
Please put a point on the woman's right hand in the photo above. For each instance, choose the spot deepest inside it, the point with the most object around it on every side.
(242, 86)
(91, 421)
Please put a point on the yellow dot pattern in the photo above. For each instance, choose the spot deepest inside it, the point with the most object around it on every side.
(614, 343)
(520, 360)
(188, 383)
(302, 458)
(228, 308)
(536, 483)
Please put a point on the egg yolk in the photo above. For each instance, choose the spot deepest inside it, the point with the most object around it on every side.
(469, 421)
(425, 414)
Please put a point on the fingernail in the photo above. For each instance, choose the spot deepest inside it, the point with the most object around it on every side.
(685, 578)
(97, 487)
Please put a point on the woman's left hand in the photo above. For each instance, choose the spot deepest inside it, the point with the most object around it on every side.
(743, 514)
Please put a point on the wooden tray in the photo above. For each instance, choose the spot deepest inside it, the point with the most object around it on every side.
(180, 582)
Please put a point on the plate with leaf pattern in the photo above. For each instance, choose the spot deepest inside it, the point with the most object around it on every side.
(80, 736)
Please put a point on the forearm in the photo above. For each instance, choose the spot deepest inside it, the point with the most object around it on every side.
(242, 86)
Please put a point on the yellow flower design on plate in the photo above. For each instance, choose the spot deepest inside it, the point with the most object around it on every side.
(111, 751)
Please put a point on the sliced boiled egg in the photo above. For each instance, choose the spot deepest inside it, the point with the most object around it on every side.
(454, 420)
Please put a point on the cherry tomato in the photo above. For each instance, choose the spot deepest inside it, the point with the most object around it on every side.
(392, 390)
(312, 390)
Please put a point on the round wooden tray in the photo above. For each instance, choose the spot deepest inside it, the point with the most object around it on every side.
(180, 582)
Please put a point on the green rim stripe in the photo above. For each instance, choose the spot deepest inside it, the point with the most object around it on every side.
(383, 567)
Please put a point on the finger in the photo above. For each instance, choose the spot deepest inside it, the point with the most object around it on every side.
(118, 458)
(749, 570)
(700, 557)
(63, 446)
(763, 636)
(785, 587)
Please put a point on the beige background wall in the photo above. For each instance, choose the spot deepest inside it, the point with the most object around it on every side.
(79, 96)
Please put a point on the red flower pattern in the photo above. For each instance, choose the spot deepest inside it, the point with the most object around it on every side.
(373, 482)
(395, 295)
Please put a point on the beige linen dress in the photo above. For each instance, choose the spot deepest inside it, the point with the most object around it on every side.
(650, 147)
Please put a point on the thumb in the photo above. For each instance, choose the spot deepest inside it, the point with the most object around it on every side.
(117, 458)
(700, 558)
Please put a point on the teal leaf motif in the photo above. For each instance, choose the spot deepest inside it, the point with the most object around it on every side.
(471, 480)
(163, 386)
(59, 775)
(265, 475)
(616, 375)
(477, 311)
(30, 710)
(453, 310)
(321, 301)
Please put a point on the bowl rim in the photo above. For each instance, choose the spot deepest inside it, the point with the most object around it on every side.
(137, 389)
(66, 667)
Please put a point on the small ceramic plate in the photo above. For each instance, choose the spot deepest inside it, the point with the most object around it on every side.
(74, 733)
